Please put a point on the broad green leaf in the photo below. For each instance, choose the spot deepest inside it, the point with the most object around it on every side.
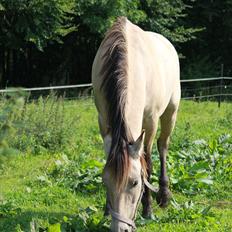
(201, 165)
(205, 180)
(54, 228)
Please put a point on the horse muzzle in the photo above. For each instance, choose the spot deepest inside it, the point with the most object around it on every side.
(120, 223)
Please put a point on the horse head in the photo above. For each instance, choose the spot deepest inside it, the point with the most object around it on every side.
(124, 193)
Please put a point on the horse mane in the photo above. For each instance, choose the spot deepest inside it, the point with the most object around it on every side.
(115, 79)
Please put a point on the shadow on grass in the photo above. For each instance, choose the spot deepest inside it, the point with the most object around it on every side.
(30, 221)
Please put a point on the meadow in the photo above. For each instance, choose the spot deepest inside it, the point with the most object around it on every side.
(51, 159)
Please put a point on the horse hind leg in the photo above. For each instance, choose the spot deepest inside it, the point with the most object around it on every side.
(167, 120)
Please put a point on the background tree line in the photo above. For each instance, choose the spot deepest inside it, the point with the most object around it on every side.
(52, 42)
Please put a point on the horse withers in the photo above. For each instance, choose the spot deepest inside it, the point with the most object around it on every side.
(135, 78)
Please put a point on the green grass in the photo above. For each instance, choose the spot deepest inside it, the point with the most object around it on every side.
(37, 191)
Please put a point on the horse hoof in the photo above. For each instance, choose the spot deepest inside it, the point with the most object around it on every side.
(147, 211)
(147, 214)
(163, 197)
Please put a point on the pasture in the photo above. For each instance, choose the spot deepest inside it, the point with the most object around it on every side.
(51, 159)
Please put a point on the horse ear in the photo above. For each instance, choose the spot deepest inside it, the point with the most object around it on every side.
(135, 147)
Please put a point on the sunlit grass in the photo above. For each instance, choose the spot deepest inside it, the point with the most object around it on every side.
(28, 181)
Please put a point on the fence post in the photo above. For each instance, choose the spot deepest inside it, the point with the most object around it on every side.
(221, 83)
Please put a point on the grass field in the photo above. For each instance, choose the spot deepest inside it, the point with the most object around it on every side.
(52, 181)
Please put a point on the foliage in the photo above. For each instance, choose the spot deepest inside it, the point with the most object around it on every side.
(185, 212)
(167, 18)
(81, 177)
(8, 208)
(214, 41)
(194, 168)
(36, 21)
(98, 16)
(194, 165)
(188, 211)
(8, 113)
(39, 21)
(84, 220)
(200, 67)
(63, 30)
(41, 125)
(62, 191)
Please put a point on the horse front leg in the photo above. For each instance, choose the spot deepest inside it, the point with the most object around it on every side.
(150, 131)
(107, 206)
(163, 196)
(146, 199)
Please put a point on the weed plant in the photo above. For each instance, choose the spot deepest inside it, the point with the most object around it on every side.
(36, 127)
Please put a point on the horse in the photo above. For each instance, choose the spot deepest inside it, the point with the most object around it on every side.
(136, 84)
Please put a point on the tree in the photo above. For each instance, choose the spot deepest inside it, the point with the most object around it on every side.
(32, 21)
(214, 43)
(24, 25)
(168, 18)
(94, 17)
(54, 42)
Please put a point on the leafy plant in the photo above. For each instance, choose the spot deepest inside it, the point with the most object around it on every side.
(187, 211)
(8, 208)
(85, 220)
(195, 165)
(177, 213)
(192, 169)
(81, 177)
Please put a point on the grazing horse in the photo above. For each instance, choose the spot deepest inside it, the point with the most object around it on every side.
(135, 78)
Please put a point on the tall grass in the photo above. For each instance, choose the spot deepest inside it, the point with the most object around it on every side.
(37, 126)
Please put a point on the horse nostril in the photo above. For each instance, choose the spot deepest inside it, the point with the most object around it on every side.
(124, 230)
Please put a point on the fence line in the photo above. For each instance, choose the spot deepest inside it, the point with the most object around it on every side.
(210, 95)
(206, 79)
(206, 88)
(89, 85)
(10, 90)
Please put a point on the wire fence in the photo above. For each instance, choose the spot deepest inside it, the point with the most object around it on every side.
(215, 88)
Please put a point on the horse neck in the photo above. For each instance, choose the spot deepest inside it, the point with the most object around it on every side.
(135, 103)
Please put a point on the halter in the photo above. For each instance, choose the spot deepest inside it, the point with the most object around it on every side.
(128, 221)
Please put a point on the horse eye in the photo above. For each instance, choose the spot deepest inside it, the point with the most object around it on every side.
(134, 183)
